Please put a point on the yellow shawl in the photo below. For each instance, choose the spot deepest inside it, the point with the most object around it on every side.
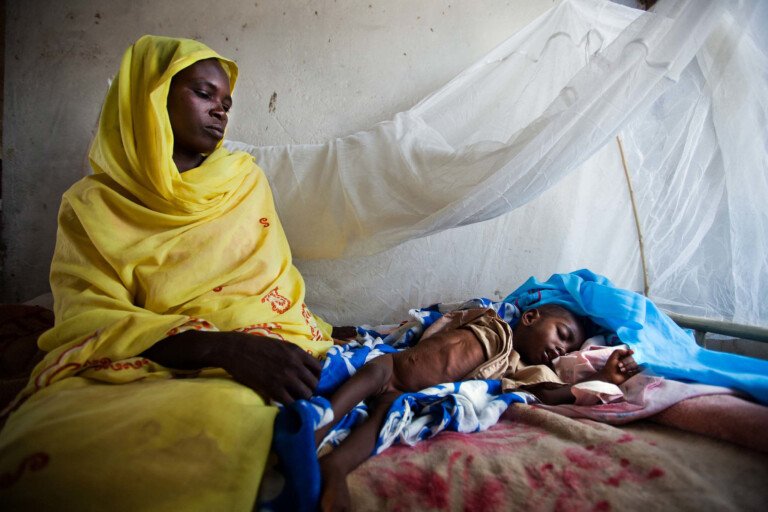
(144, 251)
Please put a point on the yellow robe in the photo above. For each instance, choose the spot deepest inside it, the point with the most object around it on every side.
(144, 252)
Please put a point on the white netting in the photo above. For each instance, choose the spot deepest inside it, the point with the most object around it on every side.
(534, 123)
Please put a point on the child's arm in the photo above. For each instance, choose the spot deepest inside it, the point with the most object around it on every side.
(617, 370)
(369, 381)
(551, 393)
(372, 381)
(355, 449)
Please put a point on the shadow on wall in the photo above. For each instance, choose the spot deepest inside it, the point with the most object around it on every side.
(2, 88)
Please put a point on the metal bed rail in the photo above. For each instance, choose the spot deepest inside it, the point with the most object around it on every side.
(705, 325)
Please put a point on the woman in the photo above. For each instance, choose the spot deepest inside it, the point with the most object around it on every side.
(170, 259)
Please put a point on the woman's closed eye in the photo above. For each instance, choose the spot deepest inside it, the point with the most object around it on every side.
(226, 107)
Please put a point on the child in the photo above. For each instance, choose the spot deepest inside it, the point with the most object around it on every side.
(461, 345)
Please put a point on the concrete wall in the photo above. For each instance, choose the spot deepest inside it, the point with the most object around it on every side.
(335, 66)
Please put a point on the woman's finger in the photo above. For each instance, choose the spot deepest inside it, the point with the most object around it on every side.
(298, 390)
(308, 361)
(315, 366)
(307, 377)
(283, 397)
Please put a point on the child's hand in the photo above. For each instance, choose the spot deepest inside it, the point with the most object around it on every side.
(619, 367)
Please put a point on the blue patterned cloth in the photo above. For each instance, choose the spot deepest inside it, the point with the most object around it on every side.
(467, 406)
(292, 478)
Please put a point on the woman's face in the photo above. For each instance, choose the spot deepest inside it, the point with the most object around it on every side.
(198, 102)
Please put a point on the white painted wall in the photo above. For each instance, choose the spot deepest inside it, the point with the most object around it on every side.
(336, 66)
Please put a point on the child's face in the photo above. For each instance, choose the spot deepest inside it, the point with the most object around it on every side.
(541, 337)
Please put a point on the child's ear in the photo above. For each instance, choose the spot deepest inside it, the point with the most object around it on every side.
(530, 316)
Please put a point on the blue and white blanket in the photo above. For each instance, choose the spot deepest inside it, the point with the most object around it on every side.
(292, 482)
(468, 406)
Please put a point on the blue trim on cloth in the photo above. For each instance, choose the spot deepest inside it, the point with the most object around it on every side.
(291, 480)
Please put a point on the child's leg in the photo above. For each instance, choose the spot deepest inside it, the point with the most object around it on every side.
(723, 417)
(355, 449)
(371, 379)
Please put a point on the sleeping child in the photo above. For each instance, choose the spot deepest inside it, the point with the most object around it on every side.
(461, 345)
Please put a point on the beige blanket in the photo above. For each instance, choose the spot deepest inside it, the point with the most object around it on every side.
(536, 460)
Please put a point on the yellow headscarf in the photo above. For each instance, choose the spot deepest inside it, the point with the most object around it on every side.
(134, 145)
(144, 251)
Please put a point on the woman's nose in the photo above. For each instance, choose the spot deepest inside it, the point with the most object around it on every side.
(219, 113)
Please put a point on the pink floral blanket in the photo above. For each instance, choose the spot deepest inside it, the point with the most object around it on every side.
(536, 460)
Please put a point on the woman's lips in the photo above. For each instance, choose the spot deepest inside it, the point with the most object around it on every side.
(218, 131)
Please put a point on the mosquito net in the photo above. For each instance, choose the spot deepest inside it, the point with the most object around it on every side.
(633, 143)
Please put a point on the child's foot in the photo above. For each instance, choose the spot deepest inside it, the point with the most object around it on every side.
(335, 494)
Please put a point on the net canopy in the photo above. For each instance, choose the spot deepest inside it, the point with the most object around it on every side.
(523, 165)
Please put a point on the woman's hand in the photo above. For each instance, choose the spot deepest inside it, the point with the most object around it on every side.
(619, 367)
(276, 370)
(345, 333)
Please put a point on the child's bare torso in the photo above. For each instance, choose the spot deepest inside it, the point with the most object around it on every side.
(443, 357)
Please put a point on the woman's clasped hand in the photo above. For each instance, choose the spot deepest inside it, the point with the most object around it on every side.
(275, 369)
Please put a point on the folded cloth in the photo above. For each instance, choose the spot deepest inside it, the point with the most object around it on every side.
(593, 392)
(641, 396)
(578, 366)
